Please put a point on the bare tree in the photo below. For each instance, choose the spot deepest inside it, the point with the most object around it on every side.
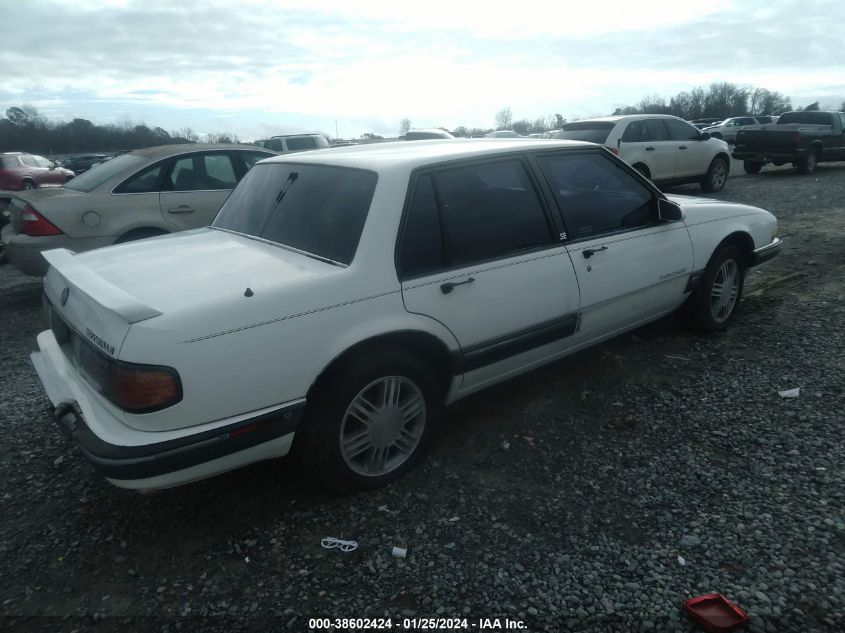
(504, 119)
(404, 126)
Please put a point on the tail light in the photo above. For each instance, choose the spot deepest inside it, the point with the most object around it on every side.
(613, 150)
(132, 387)
(35, 224)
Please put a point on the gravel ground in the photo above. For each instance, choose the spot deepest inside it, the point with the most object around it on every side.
(566, 499)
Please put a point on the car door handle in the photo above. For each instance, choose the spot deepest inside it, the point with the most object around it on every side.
(682, 147)
(589, 252)
(649, 149)
(449, 285)
(182, 208)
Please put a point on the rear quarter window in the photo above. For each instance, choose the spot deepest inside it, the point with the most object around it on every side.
(590, 132)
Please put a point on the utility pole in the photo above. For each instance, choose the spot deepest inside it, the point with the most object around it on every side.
(336, 135)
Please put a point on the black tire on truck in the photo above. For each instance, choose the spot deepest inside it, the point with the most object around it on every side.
(807, 164)
(752, 167)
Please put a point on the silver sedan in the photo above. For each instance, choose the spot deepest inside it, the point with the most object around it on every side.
(144, 193)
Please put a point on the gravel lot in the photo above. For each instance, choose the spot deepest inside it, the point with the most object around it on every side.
(562, 499)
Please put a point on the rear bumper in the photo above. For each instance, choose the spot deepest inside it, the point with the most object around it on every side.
(136, 459)
(765, 253)
(24, 251)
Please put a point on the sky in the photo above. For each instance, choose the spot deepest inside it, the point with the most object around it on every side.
(260, 67)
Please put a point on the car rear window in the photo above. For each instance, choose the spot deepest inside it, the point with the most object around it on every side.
(594, 132)
(301, 142)
(9, 162)
(92, 179)
(318, 209)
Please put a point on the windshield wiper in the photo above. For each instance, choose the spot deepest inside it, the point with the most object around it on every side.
(292, 177)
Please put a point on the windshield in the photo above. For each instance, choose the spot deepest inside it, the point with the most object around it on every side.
(93, 178)
(812, 118)
(317, 209)
(596, 132)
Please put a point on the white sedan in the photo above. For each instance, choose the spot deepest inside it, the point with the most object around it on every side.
(340, 298)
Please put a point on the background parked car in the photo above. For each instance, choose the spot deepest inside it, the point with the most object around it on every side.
(141, 194)
(664, 148)
(727, 129)
(286, 143)
(703, 123)
(426, 134)
(503, 134)
(22, 171)
(83, 162)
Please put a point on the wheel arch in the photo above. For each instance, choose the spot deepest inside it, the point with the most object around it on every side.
(140, 232)
(743, 241)
(432, 350)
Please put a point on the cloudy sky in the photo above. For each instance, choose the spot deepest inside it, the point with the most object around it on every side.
(259, 67)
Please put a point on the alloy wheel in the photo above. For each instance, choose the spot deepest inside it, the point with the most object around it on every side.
(725, 291)
(383, 426)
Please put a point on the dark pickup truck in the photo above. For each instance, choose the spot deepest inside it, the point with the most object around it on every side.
(801, 138)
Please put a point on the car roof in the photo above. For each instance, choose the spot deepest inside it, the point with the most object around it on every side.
(623, 117)
(420, 153)
(161, 151)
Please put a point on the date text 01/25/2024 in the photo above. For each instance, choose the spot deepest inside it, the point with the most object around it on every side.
(416, 624)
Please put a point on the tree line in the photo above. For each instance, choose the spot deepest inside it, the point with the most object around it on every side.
(24, 129)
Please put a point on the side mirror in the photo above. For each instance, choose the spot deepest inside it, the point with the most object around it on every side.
(704, 136)
(668, 211)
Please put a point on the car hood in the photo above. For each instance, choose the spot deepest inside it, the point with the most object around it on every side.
(199, 268)
(699, 210)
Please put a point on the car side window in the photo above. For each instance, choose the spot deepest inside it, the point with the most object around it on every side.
(634, 133)
(488, 211)
(145, 181)
(202, 172)
(596, 195)
(250, 158)
(681, 131)
(422, 241)
(28, 161)
(302, 142)
(655, 130)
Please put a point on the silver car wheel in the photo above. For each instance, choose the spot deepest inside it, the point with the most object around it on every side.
(725, 291)
(719, 176)
(383, 426)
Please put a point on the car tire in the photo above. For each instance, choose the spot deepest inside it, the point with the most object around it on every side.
(807, 164)
(715, 301)
(27, 185)
(752, 167)
(344, 454)
(716, 177)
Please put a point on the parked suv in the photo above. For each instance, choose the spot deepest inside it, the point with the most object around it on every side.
(286, 143)
(19, 170)
(664, 148)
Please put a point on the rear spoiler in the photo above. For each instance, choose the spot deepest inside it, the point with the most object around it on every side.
(98, 289)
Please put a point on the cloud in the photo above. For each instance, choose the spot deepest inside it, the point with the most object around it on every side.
(450, 63)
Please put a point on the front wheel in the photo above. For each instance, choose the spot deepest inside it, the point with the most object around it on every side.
(716, 177)
(715, 302)
(752, 167)
(28, 185)
(369, 423)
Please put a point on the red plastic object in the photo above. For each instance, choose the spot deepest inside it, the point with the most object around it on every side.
(715, 613)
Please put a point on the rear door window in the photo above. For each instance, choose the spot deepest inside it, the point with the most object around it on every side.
(655, 130)
(202, 172)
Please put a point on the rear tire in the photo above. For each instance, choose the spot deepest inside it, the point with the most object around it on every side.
(752, 167)
(716, 177)
(28, 185)
(715, 302)
(807, 165)
(369, 422)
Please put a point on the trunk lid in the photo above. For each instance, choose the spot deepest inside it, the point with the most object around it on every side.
(203, 266)
(774, 137)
